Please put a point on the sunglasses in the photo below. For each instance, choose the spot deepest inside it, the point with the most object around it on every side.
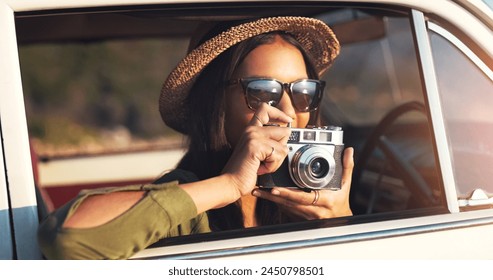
(305, 93)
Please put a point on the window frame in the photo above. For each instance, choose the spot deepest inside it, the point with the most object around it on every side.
(430, 89)
(19, 180)
(464, 203)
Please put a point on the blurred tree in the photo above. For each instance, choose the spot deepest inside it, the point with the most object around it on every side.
(96, 87)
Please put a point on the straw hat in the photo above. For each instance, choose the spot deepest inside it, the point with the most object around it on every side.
(314, 35)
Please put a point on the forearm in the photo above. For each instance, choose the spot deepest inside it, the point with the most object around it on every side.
(212, 193)
(97, 210)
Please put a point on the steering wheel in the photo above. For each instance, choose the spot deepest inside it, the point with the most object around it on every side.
(412, 179)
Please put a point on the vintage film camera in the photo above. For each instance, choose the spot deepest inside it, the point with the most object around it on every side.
(314, 160)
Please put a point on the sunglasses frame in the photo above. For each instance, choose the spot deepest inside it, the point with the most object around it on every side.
(286, 87)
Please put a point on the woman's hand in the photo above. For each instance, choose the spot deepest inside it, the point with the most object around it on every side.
(327, 204)
(261, 149)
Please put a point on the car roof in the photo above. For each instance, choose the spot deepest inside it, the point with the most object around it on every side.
(33, 24)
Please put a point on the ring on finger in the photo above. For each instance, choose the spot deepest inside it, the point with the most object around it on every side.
(317, 196)
(258, 119)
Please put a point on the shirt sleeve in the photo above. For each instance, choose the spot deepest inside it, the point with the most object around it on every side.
(165, 211)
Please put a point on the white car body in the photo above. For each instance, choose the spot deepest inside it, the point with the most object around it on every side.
(453, 235)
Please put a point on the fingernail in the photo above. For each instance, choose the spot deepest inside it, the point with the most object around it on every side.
(275, 192)
(256, 193)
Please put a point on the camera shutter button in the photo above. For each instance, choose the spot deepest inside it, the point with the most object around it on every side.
(333, 127)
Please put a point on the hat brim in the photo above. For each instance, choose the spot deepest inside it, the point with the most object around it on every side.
(318, 40)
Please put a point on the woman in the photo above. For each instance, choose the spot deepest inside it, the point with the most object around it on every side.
(229, 83)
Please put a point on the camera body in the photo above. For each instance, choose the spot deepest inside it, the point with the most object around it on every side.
(314, 160)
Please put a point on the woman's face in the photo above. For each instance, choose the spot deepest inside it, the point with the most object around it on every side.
(279, 60)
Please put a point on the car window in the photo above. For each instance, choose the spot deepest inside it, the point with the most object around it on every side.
(91, 101)
(465, 86)
(94, 97)
(90, 96)
(367, 79)
(374, 91)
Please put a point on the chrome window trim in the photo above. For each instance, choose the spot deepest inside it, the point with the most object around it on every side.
(462, 47)
(425, 58)
(326, 241)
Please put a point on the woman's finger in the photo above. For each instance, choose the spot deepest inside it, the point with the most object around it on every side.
(266, 114)
(299, 196)
(347, 168)
(274, 154)
(300, 210)
(293, 196)
(276, 133)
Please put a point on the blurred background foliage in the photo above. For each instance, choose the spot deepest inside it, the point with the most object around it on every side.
(98, 96)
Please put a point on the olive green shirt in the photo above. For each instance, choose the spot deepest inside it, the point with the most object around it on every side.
(165, 211)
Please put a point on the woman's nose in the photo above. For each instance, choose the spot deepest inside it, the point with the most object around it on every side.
(286, 106)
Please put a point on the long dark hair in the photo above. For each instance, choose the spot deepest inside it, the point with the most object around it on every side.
(209, 149)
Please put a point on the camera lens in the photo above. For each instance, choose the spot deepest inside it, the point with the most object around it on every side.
(312, 166)
(319, 167)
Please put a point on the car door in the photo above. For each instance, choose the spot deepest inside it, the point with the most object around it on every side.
(412, 197)
(17, 193)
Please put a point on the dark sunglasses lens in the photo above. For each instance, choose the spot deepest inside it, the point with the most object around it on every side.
(306, 95)
(263, 91)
